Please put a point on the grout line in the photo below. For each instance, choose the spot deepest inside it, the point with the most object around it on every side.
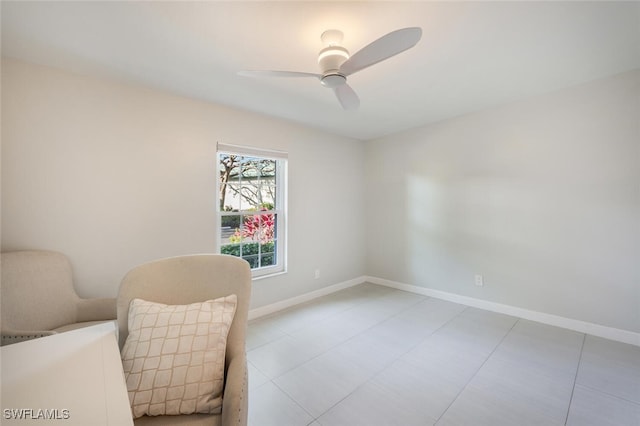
(395, 359)
(478, 370)
(610, 395)
(325, 318)
(354, 306)
(313, 418)
(388, 364)
(575, 378)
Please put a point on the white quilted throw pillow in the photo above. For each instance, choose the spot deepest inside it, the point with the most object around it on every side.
(173, 357)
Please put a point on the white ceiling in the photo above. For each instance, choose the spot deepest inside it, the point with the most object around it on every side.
(472, 55)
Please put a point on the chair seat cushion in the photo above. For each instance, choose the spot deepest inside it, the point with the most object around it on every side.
(174, 356)
(187, 420)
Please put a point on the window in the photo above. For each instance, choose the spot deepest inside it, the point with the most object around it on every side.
(252, 206)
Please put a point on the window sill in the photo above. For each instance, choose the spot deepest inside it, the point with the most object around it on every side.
(270, 275)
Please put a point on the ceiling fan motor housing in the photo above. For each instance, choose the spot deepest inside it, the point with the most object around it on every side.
(331, 58)
(333, 80)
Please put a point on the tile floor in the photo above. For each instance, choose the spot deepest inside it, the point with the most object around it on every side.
(371, 355)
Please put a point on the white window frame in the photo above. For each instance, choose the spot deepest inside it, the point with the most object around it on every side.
(280, 208)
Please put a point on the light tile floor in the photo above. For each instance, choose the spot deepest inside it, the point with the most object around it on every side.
(375, 356)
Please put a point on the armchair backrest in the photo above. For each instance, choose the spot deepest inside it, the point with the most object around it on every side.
(37, 290)
(188, 279)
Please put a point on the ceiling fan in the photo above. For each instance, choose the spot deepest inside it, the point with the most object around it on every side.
(336, 64)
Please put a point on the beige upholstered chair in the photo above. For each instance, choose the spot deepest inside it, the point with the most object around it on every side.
(190, 279)
(38, 298)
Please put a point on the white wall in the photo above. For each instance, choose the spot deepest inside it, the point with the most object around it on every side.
(542, 197)
(115, 175)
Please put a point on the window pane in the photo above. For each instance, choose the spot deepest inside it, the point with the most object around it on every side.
(268, 260)
(258, 255)
(250, 249)
(247, 197)
(268, 168)
(229, 173)
(250, 168)
(232, 249)
(267, 227)
(230, 164)
(230, 233)
(268, 196)
(250, 196)
(269, 247)
(230, 197)
(229, 222)
(253, 261)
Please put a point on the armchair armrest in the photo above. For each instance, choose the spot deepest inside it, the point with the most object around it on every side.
(96, 309)
(235, 400)
(15, 336)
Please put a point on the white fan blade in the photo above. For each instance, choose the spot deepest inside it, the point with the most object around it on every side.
(383, 48)
(277, 74)
(347, 97)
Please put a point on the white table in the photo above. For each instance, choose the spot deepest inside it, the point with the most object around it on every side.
(75, 377)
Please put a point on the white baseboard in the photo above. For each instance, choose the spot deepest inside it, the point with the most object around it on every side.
(287, 303)
(598, 330)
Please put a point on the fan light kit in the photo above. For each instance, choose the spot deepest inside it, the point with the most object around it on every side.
(336, 64)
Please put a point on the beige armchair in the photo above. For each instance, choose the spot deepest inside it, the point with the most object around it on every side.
(190, 279)
(38, 297)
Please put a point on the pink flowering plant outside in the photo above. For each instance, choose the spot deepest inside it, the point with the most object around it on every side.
(254, 240)
(258, 227)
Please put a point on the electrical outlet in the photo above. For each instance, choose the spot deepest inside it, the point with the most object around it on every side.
(479, 280)
(317, 274)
